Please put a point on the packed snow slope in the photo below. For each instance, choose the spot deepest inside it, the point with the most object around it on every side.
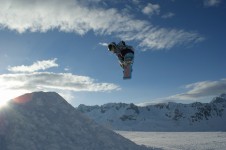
(161, 117)
(45, 121)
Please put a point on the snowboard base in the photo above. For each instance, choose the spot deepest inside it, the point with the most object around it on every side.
(127, 73)
(127, 66)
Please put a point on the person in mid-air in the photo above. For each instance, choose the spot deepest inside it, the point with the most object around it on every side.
(123, 52)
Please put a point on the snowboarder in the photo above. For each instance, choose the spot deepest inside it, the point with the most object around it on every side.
(125, 54)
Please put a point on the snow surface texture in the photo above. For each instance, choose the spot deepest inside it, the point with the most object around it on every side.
(45, 121)
(179, 140)
(161, 117)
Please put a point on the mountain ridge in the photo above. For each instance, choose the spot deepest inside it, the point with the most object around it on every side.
(169, 116)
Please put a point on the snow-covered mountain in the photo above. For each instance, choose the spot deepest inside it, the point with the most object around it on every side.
(161, 117)
(45, 121)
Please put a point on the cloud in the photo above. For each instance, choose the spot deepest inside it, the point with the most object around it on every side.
(136, 1)
(79, 17)
(26, 79)
(195, 91)
(161, 38)
(150, 9)
(203, 89)
(67, 69)
(211, 3)
(47, 80)
(168, 15)
(103, 44)
(39, 65)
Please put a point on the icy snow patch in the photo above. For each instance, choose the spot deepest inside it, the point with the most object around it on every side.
(179, 140)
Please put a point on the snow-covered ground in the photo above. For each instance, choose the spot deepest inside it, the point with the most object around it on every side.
(179, 140)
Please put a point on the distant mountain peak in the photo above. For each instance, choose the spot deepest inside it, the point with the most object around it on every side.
(219, 99)
(223, 95)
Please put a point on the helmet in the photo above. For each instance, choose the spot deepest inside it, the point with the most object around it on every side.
(112, 46)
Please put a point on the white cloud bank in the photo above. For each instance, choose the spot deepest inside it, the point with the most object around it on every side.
(202, 89)
(39, 65)
(196, 91)
(15, 84)
(52, 81)
(77, 16)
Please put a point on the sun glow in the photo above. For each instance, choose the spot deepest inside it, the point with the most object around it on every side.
(7, 95)
(3, 103)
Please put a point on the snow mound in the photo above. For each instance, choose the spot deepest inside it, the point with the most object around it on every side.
(44, 120)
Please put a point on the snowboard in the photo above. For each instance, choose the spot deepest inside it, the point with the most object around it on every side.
(127, 72)
(127, 66)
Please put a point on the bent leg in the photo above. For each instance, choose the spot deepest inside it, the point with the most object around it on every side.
(129, 57)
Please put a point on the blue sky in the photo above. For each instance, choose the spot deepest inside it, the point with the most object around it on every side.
(60, 46)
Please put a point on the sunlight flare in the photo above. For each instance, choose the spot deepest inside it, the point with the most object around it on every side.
(7, 95)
